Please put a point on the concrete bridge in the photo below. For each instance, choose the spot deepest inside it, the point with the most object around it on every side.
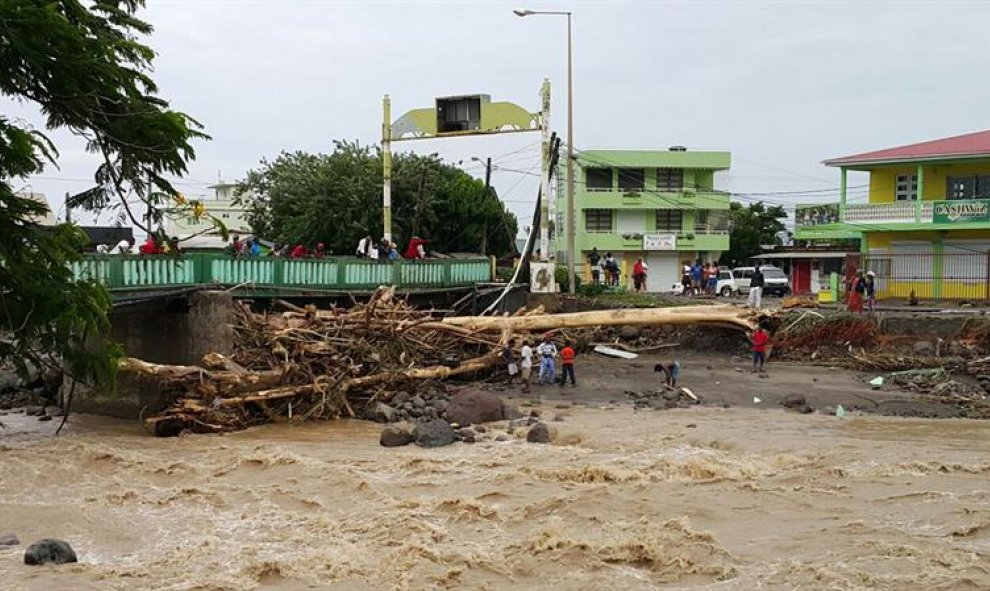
(135, 276)
(175, 309)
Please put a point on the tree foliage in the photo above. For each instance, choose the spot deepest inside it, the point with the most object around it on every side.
(752, 226)
(336, 199)
(86, 70)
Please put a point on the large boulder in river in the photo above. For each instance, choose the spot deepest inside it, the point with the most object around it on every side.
(436, 433)
(472, 408)
(395, 437)
(49, 551)
(538, 433)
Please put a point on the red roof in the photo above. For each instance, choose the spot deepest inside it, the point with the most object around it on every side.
(960, 146)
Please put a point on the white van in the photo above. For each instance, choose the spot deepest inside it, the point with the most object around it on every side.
(774, 280)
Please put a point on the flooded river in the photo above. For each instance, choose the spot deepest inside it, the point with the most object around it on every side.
(693, 499)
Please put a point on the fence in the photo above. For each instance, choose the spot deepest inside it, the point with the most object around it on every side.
(953, 274)
(135, 272)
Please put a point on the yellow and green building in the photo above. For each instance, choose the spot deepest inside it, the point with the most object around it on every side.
(925, 227)
(661, 205)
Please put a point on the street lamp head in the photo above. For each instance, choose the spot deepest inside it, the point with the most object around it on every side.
(522, 12)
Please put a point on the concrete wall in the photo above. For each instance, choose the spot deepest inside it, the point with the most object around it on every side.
(175, 331)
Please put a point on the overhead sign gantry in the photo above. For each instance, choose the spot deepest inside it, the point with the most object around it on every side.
(465, 115)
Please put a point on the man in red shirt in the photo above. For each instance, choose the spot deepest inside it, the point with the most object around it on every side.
(567, 355)
(760, 340)
(299, 252)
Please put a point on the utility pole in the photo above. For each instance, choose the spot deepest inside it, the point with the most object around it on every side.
(68, 209)
(488, 191)
(571, 255)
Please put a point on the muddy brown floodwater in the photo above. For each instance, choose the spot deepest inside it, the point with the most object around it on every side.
(702, 498)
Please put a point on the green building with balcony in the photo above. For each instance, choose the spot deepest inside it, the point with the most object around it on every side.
(661, 205)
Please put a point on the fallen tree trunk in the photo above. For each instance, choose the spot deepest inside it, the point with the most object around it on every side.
(725, 315)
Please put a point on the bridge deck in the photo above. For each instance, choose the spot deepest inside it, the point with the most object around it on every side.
(145, 273)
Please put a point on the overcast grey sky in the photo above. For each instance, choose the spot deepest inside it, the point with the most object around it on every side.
(782, 85)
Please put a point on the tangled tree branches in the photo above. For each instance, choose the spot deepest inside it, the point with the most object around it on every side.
(306, 363)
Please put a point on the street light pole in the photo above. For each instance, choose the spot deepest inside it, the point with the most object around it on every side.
(571, 255)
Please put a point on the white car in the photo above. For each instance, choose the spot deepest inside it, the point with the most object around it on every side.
(726, 285)
(774, 280)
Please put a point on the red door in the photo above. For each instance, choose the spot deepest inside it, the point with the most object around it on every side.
(801, 276)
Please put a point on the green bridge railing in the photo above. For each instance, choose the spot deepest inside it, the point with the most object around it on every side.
(148, 272)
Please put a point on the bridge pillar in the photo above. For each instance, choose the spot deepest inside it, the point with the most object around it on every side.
(177, 331)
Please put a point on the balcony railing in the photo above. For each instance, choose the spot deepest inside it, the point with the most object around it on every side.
(687, 191)
(710, 230)
(900, 212)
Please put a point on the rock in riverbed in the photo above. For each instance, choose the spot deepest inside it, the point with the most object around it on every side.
(395, 437)
(472, 408)
(9, 540)
(437, 433)
(795, 401)
(538, 433)
(49, 551)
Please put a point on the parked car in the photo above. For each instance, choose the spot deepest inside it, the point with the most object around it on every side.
(726, 285)
(774, 280)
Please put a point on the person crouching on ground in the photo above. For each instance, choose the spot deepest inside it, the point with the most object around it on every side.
(526, 365)
(509, 358)
(670, 370)
(567, 355)
(548, 370)
(760, 341)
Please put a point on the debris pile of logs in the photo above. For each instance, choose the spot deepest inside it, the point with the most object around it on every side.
(306, 363)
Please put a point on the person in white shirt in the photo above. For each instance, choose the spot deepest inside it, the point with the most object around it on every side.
(362, 248)
(526, 364)
(548, 369)
(123, 247)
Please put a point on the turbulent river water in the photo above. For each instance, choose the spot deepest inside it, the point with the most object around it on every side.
(695, 499)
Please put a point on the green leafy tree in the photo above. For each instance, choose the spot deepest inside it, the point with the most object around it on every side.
(85, 69)
(336, 199)
(752, 226)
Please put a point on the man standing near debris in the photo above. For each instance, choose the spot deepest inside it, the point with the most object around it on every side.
(593, 259)
(509, 357)
(526, 364)
(547, 352)
(756, 289)
(567, 355)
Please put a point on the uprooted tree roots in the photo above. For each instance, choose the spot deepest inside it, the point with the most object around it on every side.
(306, 363)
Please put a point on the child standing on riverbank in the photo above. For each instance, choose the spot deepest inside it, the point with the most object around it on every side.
(760, 340)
